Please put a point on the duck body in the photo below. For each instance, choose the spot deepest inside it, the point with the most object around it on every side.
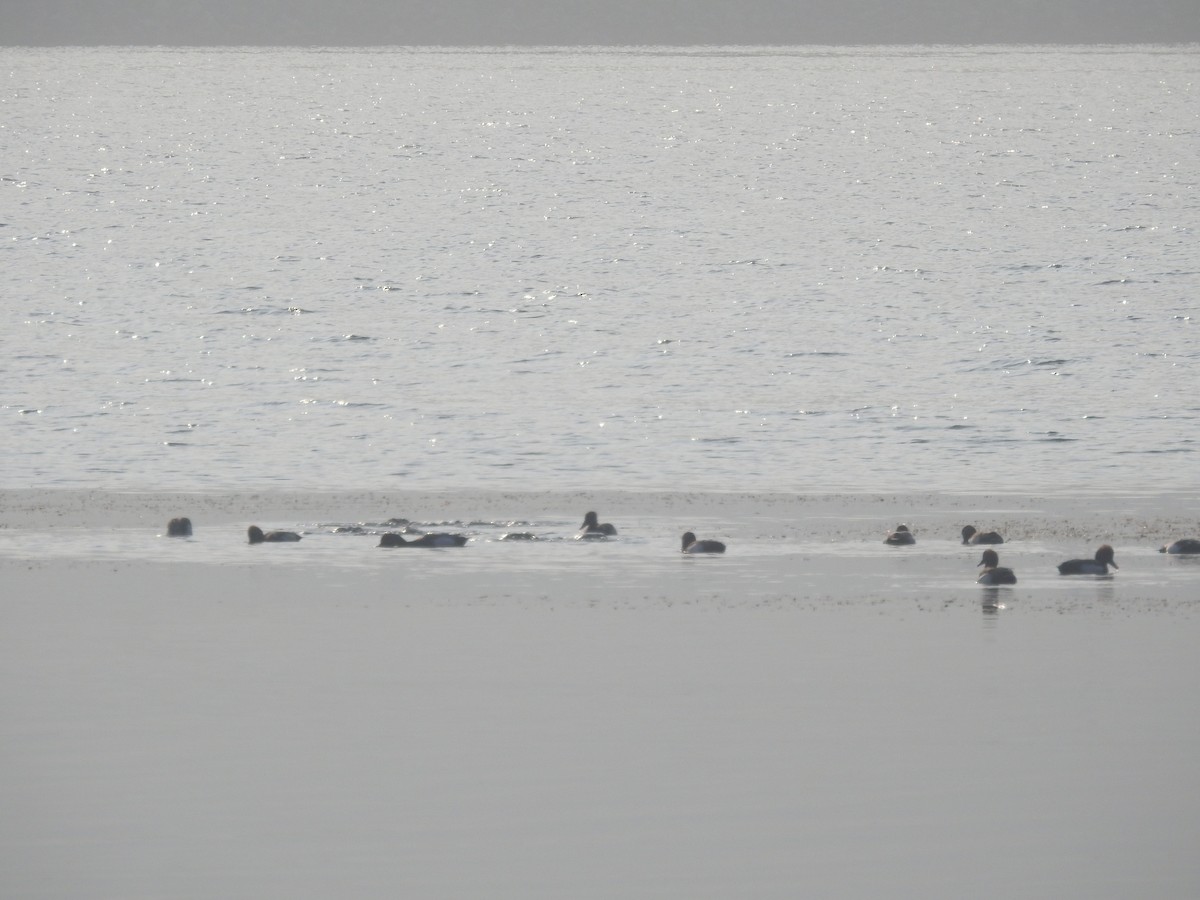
(1096, 566)
(391, 539)
(593, 528)
(257, 536)
(900, 537)
(971, 536)
(993, 573)
(181, 527)
(691, 545)
(1183, 547)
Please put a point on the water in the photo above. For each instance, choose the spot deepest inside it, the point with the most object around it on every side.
(738, 269)
(785, 298)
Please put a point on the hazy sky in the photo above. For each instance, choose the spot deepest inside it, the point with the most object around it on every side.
(359, 22)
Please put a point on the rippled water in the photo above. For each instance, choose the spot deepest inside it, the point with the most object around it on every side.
(763, 269)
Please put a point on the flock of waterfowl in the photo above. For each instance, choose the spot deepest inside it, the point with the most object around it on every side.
(995, 574)
(592, 528)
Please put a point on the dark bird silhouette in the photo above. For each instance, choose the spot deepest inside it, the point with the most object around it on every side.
(391, 539)
(971, 536)
(900, 537)
(271, 537)
(1182, 547)
(691, 545)
(592, 527)
(1097, 566)
(181, 527)
(993, 572)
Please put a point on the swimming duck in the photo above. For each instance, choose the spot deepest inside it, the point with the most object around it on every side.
(391, 539)
(1097, 566)
(900, 537)
(1182, 547)
(593, 528)
(181, 527)
(971, 536)
(691, 545)
(993, 572)
(271, 537)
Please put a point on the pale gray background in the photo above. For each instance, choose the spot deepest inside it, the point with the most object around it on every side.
(532, 22)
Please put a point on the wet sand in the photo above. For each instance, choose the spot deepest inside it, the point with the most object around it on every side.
(812, 714)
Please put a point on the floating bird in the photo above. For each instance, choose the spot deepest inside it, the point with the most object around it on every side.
(181, 527)
(271, 537)
(593, 528)
(971, 536)
(691, 545)
(1182, 547)
(1097, 566)
(900, 536)
(391, 539)
(994, 573)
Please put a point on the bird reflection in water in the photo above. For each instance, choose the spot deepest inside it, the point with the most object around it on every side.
(990, 603)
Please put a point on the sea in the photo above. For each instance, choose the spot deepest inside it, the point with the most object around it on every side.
(721, 268)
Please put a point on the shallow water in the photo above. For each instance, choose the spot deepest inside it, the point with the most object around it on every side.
(748, 269)
(252, 729)
(812, 712)
(784, 550)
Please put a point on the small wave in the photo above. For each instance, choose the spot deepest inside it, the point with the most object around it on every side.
(263, 311)
(341, 339)
(1035, 267)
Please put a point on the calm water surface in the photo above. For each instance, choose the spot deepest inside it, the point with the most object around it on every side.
(754, 269)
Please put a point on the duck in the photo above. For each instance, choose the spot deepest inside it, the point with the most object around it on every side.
(971, 536)
(691, 545)
(1097, 566)
(592, 527)
(271, 537)
(900, 536)
(994, 573)
(181, 527)
(1184, 546)
(391, 539)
